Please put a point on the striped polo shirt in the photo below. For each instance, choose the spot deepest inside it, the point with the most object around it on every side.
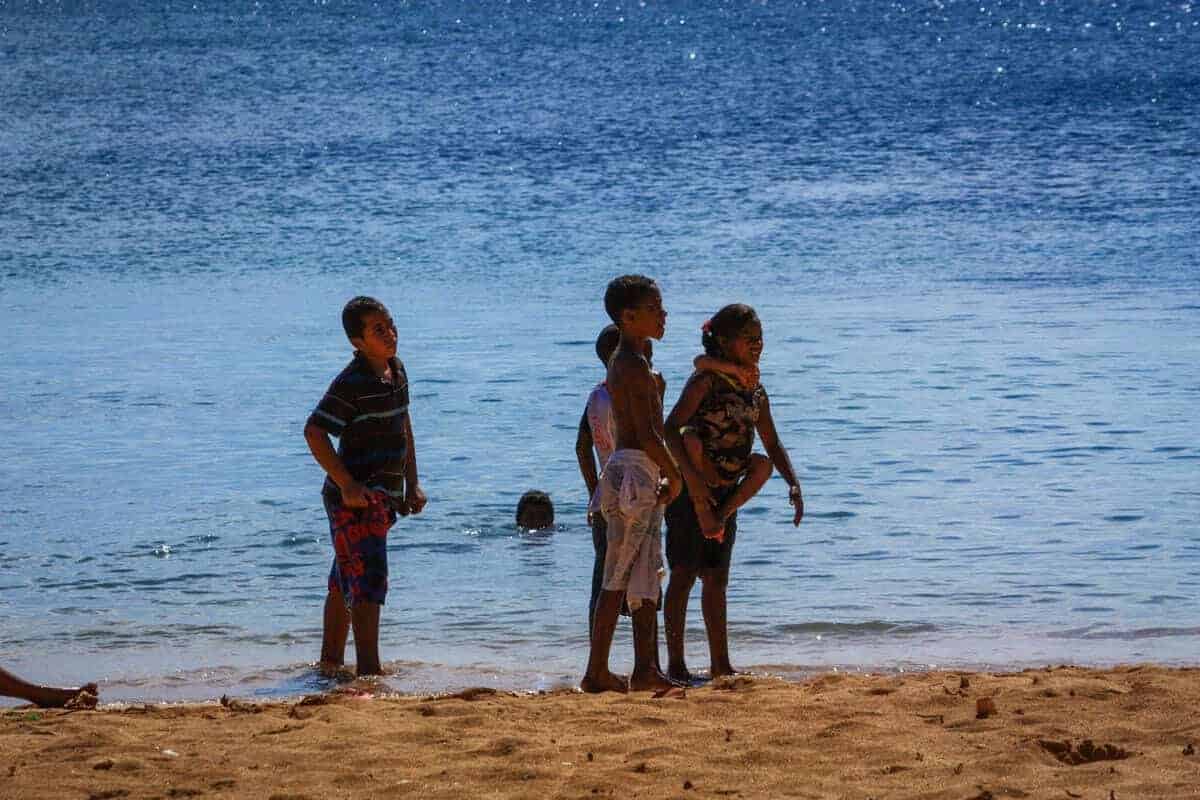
(367, 414)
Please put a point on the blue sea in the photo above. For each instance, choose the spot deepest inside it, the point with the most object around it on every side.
(971, 230)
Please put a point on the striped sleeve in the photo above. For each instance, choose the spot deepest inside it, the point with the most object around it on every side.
(334, 412)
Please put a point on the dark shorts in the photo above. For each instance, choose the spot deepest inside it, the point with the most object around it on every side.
(686, 547)
(360, 569)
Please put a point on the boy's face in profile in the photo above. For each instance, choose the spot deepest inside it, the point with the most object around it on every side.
(648, 319)
(378, 340)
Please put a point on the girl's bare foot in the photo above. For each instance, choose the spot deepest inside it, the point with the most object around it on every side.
(604, 682)
(710, 526)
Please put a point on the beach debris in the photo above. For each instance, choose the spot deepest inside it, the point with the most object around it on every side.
(1086, 752)
(223, 783)
(675, 692)
(170, 753)
(591, 757)
(958, 769)
(963, 682)
(687, 785)
(985, 707)
(1190, 750)
(731, 683)
(642, 766)
(932, 719)
(104, 763)
(108, 794)
(472, 693)
(314, 700)
(183, 791)
(1071, 794)
(729, 734)
(984, 794)
(240, 706)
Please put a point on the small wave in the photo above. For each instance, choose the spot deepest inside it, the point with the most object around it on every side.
(856, 629)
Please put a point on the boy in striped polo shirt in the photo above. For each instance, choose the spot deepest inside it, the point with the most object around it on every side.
(370, 478)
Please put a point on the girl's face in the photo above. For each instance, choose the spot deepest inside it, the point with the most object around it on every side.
(746, 347)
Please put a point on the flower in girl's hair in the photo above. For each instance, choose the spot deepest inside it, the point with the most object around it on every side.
(707, 326)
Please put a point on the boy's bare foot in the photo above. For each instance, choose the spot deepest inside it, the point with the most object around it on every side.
(650, 681)
(53, 697)
(604, 682)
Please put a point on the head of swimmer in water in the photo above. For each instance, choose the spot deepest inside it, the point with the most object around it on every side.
(734, 334)
(535, 510)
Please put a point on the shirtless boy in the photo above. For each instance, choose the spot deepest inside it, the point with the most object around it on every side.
(639, 480)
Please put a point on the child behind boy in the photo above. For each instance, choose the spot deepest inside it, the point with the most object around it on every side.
(370, 478)
(597, 431)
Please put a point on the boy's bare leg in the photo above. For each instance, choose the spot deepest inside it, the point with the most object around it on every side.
(364, 618)
(679, 589)
(335, 631)
(598, 678)
(43, 696)
(756, 476)
(712, 601)
(646, 676)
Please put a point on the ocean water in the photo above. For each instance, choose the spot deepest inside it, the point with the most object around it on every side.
(970, 230)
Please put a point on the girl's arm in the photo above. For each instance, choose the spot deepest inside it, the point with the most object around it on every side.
(779, 457)
(747, 376)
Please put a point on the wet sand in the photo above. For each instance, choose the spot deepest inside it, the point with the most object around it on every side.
(1127, 733)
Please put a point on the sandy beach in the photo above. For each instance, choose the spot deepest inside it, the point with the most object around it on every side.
(1061, 732)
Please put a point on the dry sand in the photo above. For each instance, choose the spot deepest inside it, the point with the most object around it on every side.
(1060, 733)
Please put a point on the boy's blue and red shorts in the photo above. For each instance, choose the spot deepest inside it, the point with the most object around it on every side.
(360, 570)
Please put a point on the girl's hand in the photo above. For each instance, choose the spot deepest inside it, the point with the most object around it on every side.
(797, 500)
(748, 375)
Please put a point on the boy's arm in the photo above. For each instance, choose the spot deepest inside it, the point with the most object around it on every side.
(353, 492)
(646, 408)
(685, 408)
(748, 376)
(414, 498)
(779, 457)
(583, 454)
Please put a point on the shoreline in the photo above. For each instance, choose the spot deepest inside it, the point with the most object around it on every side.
(1052, 732)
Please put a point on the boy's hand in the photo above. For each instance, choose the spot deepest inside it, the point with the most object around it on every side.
(797, 500)
(669, 489)
(354, 495)
(415, 500)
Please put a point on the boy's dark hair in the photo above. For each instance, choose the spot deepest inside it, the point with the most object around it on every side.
(626, 292)
(606, 343)
(726, 324)
(532, 499)
(355, 310)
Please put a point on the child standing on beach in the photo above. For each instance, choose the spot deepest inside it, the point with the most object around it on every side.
(640, 477)
(370, 478)
(711, 433)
